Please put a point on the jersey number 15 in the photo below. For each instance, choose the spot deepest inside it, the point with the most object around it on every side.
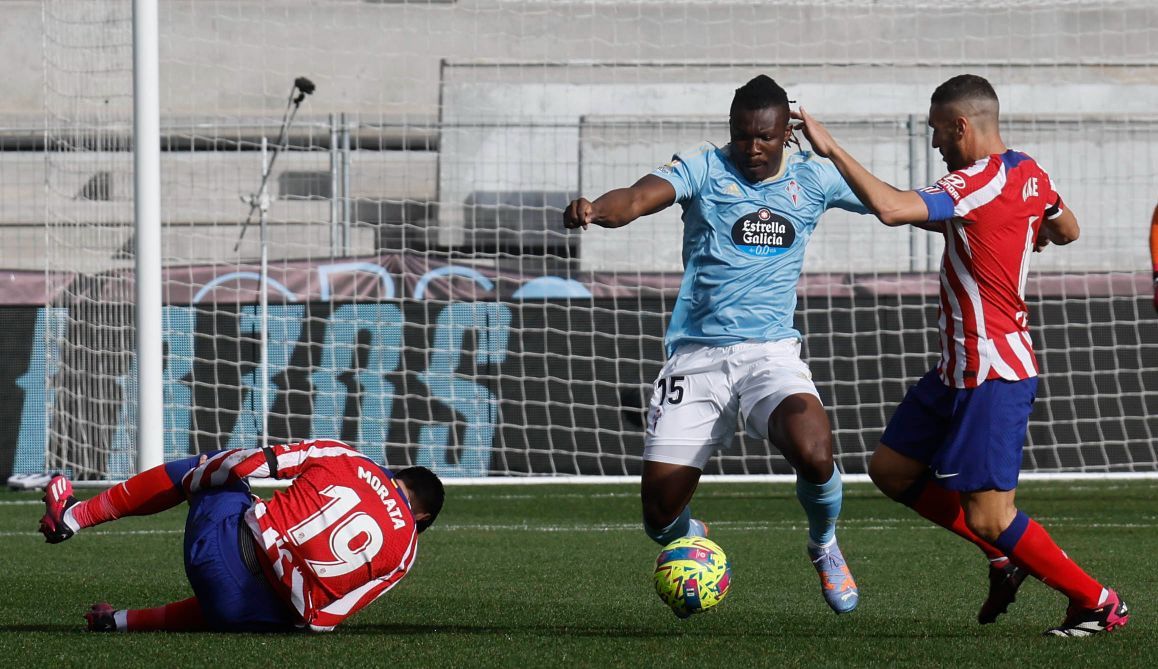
(670, 390)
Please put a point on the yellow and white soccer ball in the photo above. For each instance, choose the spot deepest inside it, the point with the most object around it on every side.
(692, 575)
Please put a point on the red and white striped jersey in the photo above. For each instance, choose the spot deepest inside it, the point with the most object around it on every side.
(993, 210)
(336, 539)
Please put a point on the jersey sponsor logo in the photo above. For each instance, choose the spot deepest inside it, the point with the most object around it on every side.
(763, 233)
(383, 490)
(953, 184)
(1029, 189)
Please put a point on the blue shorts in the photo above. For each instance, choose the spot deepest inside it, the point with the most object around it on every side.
(971, 438)
(232, 598)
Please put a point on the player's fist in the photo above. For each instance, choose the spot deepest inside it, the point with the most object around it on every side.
(578, 214)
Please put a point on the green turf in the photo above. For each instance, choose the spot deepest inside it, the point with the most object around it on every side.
(528, 576)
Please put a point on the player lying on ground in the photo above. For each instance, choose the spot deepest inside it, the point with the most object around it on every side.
(341, 535)
(952, 450)
(749, 210)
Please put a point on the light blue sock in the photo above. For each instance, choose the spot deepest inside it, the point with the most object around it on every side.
(821, 504)
(683, 526)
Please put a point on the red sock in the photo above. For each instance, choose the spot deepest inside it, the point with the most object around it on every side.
(943, 507)
(151, 491)
(182, 616)
(1030, 546)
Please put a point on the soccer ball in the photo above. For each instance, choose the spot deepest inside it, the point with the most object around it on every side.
(692, 575)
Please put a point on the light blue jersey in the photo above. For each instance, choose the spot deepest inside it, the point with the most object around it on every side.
(743, 245)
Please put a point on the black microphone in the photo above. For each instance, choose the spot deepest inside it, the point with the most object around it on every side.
(305, 86)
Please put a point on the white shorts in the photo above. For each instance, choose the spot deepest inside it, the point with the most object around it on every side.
(701, 390)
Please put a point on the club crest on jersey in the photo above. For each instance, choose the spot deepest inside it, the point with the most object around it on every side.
(669, 167)
(793, 190)
(763, 233)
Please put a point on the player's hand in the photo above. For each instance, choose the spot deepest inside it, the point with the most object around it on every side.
(1041, 242)
(578, 214)
(814, 131)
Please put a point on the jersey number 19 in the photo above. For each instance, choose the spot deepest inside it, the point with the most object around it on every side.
(353, 539)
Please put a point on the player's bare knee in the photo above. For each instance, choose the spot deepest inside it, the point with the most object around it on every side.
(658, 512)
(986, 525)
(894, 474)
(884, 478)
(815, 463)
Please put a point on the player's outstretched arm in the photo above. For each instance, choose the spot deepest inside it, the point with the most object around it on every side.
(890, 204)
(617, 208)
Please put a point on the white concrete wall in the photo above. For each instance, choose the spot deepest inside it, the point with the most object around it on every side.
(1102, 159)
(414, 65)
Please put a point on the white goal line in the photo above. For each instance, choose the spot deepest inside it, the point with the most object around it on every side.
(707, 478)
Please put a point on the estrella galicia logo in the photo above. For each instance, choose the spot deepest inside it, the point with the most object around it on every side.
(763, 233)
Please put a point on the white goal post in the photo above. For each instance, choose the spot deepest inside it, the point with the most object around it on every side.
(415, 293)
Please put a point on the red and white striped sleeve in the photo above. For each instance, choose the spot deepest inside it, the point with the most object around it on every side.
(329, 616)
(290, 460)
(227, 467)
(284, 461)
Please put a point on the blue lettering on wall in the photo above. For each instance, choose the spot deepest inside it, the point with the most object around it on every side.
(375, 393)
(285, 325)
(361, 348)
(472, 402)
(120, 462)
(39, 397)
(178, 324)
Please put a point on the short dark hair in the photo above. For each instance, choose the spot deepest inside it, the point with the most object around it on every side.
(425, 486)
(964, 87)
(760, 92)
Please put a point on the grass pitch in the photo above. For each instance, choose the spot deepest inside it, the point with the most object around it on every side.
(559, 575)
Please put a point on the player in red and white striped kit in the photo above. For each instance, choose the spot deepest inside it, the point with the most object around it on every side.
(341, 535)
(952, 450)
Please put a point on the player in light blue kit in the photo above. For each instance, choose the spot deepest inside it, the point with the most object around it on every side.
(749, 211)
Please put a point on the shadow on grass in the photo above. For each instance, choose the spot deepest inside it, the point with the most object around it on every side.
(659, 631)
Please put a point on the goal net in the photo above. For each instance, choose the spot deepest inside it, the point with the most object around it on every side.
(425, 303)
